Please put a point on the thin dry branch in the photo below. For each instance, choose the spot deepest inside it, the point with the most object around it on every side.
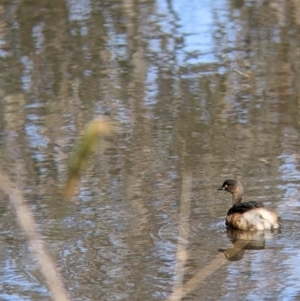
(28, 225)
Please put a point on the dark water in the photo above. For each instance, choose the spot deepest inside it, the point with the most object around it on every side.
(202, 91)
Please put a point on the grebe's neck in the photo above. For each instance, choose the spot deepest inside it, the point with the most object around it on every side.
(237, 198)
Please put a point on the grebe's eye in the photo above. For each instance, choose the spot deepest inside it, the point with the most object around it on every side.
(225, 185)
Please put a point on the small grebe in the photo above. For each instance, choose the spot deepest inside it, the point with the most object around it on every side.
(247, 215)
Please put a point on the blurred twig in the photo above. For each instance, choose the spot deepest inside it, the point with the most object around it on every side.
(28, 225)
(241, 73)
(88, 144)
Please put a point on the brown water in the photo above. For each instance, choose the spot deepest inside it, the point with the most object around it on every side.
(202, 91)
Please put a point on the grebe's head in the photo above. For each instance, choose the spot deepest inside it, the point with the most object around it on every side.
(232, 186)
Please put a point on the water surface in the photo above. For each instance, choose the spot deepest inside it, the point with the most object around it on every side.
(202, 92)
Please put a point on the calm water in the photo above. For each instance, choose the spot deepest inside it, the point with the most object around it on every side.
(202, 91)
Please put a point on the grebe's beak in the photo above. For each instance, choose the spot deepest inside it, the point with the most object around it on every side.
(221, 188)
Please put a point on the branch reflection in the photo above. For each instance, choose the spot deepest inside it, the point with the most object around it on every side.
(245, 240)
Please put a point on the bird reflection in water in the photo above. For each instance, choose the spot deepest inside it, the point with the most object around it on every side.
(245, 240)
